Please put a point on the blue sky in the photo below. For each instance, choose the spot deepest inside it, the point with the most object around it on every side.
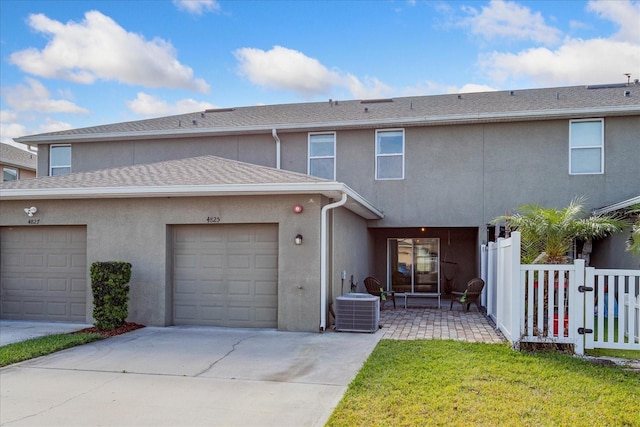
(71, 64)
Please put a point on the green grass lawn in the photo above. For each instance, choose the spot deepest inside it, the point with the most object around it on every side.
(432, 382)
(35, 347)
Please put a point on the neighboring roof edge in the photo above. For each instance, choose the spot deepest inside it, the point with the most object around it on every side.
(617, 206)
(16, 157)
(333, 190)
(408, 121)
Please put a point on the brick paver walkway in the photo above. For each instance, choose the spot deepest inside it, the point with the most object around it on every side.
(434, 323)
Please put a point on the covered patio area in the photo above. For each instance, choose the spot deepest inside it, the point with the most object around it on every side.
(437, 323)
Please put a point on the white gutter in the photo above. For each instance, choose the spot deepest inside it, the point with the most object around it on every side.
(274, 132)
(323, 258)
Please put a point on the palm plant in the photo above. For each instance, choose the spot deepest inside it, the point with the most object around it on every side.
(547, 234)
(633, 243)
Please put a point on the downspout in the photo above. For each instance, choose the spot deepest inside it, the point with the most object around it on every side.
(274, 133)
(323, 258)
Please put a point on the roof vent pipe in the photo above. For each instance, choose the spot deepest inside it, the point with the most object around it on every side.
(274, 133)
(627, 93)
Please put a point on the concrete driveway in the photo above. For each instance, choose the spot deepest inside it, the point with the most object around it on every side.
(187, 376)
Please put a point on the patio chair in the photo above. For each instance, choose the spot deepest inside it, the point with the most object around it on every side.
(471, 294)
(375, 288)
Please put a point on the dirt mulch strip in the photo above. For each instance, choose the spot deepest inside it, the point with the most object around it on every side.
(126, 327)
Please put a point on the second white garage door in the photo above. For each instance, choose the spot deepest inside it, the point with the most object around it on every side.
(226, 275)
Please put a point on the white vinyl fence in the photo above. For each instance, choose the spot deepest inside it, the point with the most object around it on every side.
(569, 304)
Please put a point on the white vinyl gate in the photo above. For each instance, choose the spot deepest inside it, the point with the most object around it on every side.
(572, 304)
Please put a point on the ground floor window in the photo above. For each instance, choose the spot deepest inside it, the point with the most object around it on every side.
(414, 264)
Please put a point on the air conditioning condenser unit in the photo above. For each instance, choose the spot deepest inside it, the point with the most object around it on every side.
(357, 312)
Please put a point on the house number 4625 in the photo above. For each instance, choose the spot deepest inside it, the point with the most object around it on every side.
(213, 219)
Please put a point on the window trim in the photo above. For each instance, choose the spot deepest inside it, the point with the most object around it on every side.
(401, 154)
(16, 170)
(51, 167)
(601, 146)
(310, 157)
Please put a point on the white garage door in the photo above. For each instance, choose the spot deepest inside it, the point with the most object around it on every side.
(43, 273)
(226, 275)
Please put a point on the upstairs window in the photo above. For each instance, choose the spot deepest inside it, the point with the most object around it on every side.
(586, 147)
(60, 160)
(390, 154)
(322, 155)
(9, 174)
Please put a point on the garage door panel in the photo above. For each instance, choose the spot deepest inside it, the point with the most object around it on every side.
(36, 309)
(216, 313)
(58, 260)
(241, 261)
(43, 273)
(10, 308)
(214, 288)
(57, 286)
(56, 308)
(185, 313)
(269, 262)
(239, 288)
(213, 261)
(265, 288)
(78, 286)
(264, 314)
(237, 273)
(34, 261)
(35, 236)
(78, 260)
(186, 287)
(34, 284)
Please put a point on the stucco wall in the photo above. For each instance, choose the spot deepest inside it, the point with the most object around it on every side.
(136, 231)
(461, 175)
(455, 176)
(352, 253)
(611, 253)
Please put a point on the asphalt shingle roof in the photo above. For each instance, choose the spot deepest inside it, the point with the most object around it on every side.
(14, 156)
(203, 170)
(498, 105)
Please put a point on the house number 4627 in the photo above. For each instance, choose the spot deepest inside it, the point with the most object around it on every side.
(213, 219)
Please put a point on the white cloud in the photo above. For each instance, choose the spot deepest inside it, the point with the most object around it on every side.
(432, 88)
(11, 130)
(575, 62)
(509, 20)
(474, 88)
(99, 48)
(197, 7)
(35, 97)
(51, 125)
(371, 88)
(286, 69)
(624, 13)
(8, 116)
(149, 105)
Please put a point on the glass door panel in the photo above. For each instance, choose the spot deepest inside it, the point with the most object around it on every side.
(414, 265)
(426, 264)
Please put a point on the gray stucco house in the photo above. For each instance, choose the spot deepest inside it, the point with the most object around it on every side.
(17, 163)
(207, 206)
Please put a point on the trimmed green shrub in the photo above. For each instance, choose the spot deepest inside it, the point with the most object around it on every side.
(109, 283)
